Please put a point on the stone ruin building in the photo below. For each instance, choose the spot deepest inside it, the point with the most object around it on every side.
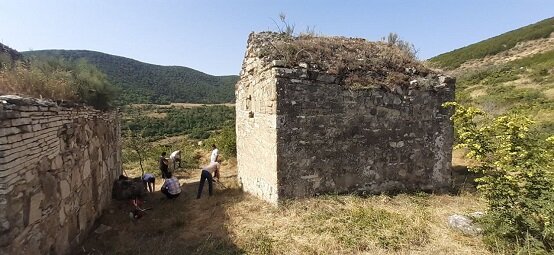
(339, 115)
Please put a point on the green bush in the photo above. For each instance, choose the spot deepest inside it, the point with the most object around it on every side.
(226, 140)
(517, 179)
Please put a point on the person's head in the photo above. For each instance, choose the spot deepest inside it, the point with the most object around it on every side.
(213, 146)
(163, 154)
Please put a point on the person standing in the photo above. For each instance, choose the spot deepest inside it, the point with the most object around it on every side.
(175, 157)
(171, 187)
(164, 166)
(206, 174)
(215, 154)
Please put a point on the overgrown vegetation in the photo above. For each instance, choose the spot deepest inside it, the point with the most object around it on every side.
(150, 130)
(517, 179)
(495, 45)
(146, 83)
(517, 86)
(197, 122)
(58, 79)
(356, 62)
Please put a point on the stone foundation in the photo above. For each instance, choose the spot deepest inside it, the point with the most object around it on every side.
(57, 165)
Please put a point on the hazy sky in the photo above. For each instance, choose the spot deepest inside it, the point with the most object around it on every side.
(210, 36)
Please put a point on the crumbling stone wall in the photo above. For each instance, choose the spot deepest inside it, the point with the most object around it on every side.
(301, 131)
(57, 165)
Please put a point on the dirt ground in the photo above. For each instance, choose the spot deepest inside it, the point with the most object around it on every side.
(232, 222)
(160, 230)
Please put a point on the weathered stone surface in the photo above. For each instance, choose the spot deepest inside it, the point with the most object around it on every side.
(301, 132)
(463, 224)
(47, 198)
(35, 210)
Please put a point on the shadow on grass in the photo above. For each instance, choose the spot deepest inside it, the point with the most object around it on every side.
(181, 226)
(463, 180)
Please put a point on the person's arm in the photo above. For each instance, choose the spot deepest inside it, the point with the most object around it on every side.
(216, 172)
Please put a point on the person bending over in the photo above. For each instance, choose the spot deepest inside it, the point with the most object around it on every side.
(149, 182)
(175, 157)
(206, 174)
(171, 187)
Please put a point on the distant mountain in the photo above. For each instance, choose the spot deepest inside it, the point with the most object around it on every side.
(512, 72)
(147, 83)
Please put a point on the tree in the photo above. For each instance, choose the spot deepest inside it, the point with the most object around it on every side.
(138, 144)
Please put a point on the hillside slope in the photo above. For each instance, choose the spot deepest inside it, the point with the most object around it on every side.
(494, 45)
(512, 72)
(147, 83)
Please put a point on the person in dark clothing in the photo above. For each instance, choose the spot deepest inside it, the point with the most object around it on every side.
(164, 166)
(206, 174)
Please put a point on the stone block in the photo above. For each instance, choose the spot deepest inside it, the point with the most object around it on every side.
(35, 210)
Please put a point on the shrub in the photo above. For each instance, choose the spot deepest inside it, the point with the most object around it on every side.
(517, 180)
(59, 79)
(226, 140)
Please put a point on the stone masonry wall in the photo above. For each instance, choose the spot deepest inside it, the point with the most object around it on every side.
(57, 165)
(256, 110)
(336, 140)
(301, 131)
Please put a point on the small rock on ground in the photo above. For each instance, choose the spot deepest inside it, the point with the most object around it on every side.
(463, 224)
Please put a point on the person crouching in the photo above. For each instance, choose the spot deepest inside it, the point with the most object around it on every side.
(206, 174)
(171, 187)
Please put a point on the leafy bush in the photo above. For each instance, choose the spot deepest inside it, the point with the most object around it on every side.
(517, 181)
(226, 140)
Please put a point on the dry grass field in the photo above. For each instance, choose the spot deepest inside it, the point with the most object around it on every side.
(232, 222)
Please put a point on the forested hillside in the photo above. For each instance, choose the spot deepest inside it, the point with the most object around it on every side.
(146, 83)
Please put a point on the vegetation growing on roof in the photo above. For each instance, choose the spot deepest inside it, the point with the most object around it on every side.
(356, 62)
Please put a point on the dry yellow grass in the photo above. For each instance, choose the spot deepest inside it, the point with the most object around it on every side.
(549, 93)
(232, 222)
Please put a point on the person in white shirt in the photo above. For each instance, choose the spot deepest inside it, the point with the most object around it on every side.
(175, 157)
(207, 171)
(215, 154)
(149, 182)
